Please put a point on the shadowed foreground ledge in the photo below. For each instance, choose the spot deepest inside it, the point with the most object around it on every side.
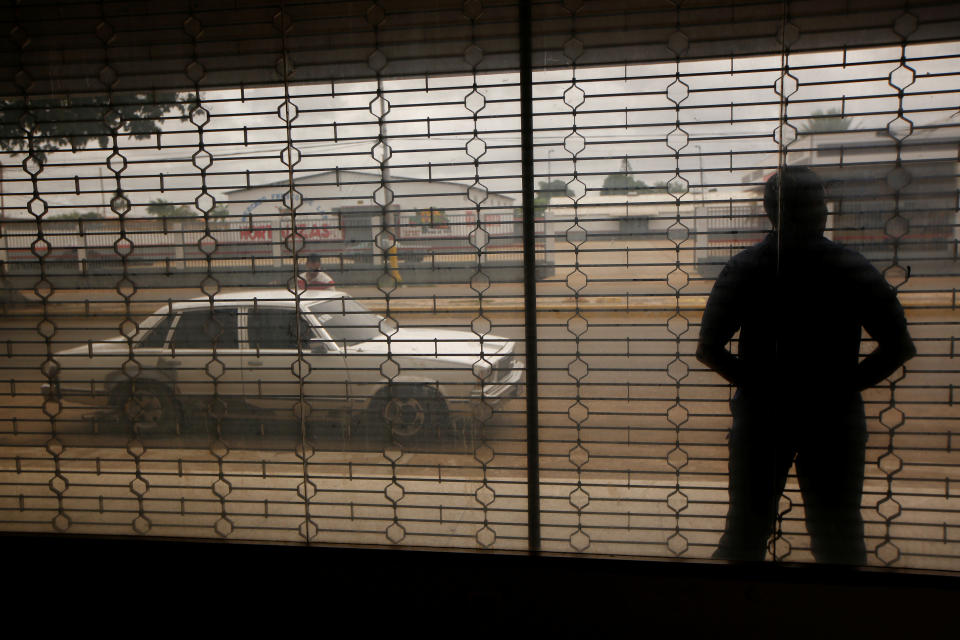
(148, 582)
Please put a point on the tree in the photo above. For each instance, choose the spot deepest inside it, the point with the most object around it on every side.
(74, 121)
(163, 209)
(621, 182)
(666, 187)
(827, 121)
(76, 215)
(551, 189)
(547, 190)
(43, 125)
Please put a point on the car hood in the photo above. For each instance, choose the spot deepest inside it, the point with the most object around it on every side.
(457, 346)
(115, 345)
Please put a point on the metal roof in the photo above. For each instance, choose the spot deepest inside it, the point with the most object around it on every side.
(262, 296)
(375, 178)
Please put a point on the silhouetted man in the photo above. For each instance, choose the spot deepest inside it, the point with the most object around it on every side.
(799, 302)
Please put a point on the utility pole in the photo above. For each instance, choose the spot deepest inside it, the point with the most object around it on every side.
(389, 217)
(703, 187)
(103, 194)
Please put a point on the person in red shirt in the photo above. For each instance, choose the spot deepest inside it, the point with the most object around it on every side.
(799, 302)
(314, 277)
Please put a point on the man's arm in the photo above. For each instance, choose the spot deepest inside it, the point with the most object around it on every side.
(721, 360)
(883, 361)
(720, 322)
(886, 323)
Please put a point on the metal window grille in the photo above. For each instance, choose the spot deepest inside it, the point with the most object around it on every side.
(529, 202)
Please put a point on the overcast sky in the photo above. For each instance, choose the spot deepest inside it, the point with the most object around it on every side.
(728, 110)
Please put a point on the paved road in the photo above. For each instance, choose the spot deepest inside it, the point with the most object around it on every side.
(626, 489)
(635, 489)
(606, 274)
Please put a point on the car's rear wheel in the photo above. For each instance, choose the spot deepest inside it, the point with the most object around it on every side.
(407, 414)
(148, 409)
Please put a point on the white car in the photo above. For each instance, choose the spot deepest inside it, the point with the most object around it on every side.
(259, 349)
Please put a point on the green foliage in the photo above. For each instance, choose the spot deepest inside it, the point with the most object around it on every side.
(551, 189)
(827, 121)
(50, 124)
(664, 187)
(219, 211)
(620, 182)
(547, 190)
(76, 215)
(163, 209)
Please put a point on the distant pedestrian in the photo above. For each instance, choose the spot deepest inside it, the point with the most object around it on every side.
(314, 277)
(799, 302)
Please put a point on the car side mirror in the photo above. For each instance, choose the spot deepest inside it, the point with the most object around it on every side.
(319, 346)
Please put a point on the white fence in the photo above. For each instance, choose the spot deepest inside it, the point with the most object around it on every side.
(186, 244)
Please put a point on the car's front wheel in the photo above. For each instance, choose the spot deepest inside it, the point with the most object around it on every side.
(148, 409)
(407, 413)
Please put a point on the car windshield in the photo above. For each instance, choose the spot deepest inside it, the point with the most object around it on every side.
(347, 321)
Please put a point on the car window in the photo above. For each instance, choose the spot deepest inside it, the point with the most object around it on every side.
(347, 321)
(158, 334)
(204, 328)
(277, 329)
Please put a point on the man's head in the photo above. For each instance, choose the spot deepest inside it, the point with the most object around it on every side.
(800, 193)
(314, 260)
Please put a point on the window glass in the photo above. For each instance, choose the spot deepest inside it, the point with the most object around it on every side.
(158, 335)
(347, 321)
(542, 245)
(204, 329)
(276, 329)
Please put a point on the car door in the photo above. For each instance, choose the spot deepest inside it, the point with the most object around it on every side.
(273, 371)
(357, 332)
(153, 347)
(203, 355)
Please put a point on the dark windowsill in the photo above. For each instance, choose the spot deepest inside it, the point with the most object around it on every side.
(122, 578)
